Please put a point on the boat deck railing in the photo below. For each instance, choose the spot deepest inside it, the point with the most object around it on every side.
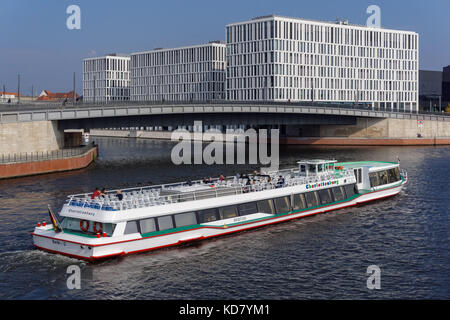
(143, 197)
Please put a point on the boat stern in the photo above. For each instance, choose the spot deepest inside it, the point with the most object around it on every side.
(47, 239)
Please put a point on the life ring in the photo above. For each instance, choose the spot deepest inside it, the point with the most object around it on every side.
(84, 225)
(99, 230)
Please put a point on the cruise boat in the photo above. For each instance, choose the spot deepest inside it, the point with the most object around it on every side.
(153, 217)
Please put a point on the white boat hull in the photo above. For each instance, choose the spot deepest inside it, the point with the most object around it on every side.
(100, 248)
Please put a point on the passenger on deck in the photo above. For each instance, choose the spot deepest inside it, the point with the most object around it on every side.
(221, 178)
(95, 194)
(119, 195)
(280, 182)
(103, 193)
(205, 181)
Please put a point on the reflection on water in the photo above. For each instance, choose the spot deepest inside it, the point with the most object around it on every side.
(324, 257)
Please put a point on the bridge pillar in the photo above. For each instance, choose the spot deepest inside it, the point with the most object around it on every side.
(33, 136)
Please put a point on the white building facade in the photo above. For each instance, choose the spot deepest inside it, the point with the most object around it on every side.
(195, 73)
(288, 59)
(106, 78)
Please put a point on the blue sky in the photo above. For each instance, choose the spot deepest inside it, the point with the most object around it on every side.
(37, 44)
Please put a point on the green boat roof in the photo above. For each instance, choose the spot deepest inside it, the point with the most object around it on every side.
(359, 164)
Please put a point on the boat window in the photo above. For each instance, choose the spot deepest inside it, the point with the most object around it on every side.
(282, 204)
(208, 215)
(131, 227)
(350, 190)
(312, 200)
(374, 179)
(227, 212)
(384, 179)
(109, 228)
(298, 202)
(392, 177)
(165, 223)
(74, 224)
(397, 174)
(358, 175)
(185, 219)
(147, 225)
(247, 208)
(302, 168)
(339, 193)
(325, 196)
(266, 206)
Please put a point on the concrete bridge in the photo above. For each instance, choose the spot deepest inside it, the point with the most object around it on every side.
(37, 127)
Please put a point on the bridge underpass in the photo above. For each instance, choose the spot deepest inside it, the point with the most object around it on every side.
(254, 120)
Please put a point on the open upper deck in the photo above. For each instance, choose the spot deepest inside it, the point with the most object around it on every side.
(196, 190)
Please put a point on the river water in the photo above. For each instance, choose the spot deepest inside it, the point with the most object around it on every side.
(320, 257)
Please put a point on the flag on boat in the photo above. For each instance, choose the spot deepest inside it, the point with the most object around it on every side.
(56, 225)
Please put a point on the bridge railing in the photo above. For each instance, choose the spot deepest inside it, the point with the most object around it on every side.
(44, 155)
(112, 104)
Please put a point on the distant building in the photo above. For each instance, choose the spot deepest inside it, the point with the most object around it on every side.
(106, 78)
(430, 83)
(446, 85)
(194, 73)
(278, 58)
(430, 89)
(5, 96)
(47, 95)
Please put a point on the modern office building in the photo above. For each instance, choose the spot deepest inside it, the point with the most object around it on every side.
(288, 59)
(195, 73)
(106, 78)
